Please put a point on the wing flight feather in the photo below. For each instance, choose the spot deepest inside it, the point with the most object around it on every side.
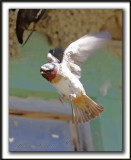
(78, 51)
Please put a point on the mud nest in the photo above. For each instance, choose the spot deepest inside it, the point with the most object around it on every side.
(62, 26)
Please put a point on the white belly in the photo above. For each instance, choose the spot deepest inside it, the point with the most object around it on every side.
(63, 87)
(69, 86)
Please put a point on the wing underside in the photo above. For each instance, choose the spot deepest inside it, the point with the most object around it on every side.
(78, 51)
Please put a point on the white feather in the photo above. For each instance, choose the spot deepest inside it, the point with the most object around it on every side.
(78, 51)
(69, 83)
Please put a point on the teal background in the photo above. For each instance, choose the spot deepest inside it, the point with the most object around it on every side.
(25, 81)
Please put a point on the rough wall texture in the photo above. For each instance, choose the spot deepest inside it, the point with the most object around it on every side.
(66, 25)
(62, 26)
(13, 43)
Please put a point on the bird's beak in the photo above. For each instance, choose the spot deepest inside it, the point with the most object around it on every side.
(44, 68)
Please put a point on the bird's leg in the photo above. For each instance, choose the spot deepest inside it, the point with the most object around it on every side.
(72, 96)
(62, 98)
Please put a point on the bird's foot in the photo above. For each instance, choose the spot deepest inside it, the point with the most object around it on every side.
(72, 96)
(62, 98)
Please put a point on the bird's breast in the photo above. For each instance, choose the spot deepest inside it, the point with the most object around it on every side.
(56, 79)
(66, 86)
(62, 84)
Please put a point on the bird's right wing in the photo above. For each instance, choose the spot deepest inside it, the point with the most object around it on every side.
(78, 51)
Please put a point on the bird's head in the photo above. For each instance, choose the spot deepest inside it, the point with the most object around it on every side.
(48, 71)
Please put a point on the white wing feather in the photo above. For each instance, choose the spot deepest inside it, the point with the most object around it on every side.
(78, 51)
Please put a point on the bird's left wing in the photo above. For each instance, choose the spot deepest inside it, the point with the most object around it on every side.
(78, 51)
(55, 55)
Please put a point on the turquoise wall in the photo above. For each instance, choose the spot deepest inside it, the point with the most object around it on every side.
(101, 77)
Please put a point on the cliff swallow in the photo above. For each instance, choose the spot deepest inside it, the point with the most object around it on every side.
(25, 19)
(64, 75)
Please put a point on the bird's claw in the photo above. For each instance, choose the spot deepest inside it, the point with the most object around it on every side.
(62, 98)
(72, 96)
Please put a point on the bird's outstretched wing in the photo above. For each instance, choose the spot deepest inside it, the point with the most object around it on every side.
(78, 51)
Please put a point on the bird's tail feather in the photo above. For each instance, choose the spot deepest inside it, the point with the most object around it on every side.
(84, 109)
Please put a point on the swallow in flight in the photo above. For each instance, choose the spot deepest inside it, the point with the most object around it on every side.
(25, 19)
(63, 72)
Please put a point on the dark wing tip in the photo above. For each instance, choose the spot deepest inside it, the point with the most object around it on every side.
(24, 18)
(19, 34)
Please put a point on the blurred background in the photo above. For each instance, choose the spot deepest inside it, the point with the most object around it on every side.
(37, 120)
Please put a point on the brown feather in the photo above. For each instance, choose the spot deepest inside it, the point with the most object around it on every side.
(85, 109)
(50, 76)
